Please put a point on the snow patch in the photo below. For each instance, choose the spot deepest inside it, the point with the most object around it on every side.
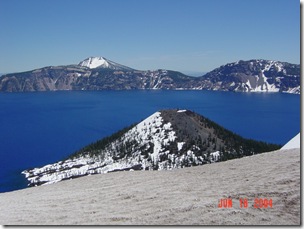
(294, 143)
(215, 156)
(180, 145)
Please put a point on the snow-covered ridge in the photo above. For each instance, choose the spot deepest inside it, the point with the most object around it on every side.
(257, 76)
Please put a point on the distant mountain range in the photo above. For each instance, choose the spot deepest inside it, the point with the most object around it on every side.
(99, 73)
(166, 140)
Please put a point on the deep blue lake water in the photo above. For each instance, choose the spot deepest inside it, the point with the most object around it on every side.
(44, 127)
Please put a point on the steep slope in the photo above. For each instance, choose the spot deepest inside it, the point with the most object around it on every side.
(43, 79)
(254, 76)
(166, 140)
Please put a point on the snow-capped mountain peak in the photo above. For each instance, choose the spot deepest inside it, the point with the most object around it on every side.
(101, 62)
(94, 62)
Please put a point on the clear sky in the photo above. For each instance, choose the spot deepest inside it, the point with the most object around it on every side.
(183, 35)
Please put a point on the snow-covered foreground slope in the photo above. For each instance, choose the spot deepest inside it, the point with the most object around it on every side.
(187, 196)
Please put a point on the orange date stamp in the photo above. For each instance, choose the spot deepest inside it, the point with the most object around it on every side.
(244, 203)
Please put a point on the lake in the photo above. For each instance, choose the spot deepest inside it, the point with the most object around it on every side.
(44, 127)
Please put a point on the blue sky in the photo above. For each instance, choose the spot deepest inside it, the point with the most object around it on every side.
(183, 35)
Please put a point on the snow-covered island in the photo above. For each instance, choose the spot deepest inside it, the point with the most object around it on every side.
(166, 140)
